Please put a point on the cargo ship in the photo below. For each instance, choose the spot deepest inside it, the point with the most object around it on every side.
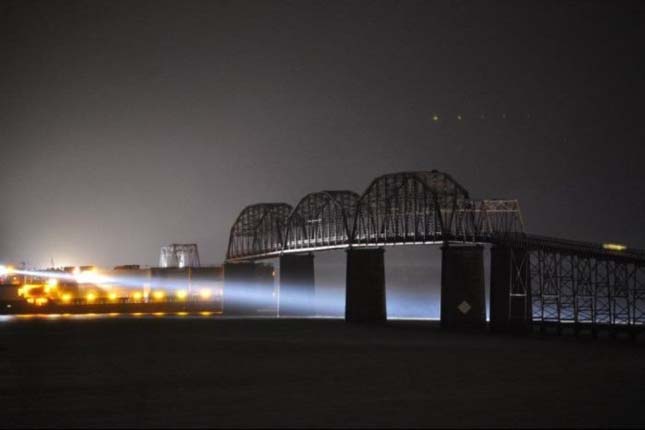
(122, 289)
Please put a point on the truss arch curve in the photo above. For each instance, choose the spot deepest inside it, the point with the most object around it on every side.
(322, 219)
(408, 207)
(259, 229)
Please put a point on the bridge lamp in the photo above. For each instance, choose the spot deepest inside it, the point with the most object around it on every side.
(137, 296)
(158, 295)
(112, 296)
(90, 297)
(67, 298)
(181, 294)
(205, 293)
(614, 246)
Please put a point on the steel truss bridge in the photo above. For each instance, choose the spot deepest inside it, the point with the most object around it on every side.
(551, 280)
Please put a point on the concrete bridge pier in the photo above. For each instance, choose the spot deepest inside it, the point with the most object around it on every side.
(248, 288)
(509, 306)
(297, 285)
(463, 302)
(365, 286)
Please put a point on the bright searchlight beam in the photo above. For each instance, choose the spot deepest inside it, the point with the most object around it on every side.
(6, 270)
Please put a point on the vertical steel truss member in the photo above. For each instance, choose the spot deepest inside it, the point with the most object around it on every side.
(179, 255)
(510, 288)
(258, 230)
(586, 287)
(520, 291)
(409, 207)
(638, 294)
(321, 220)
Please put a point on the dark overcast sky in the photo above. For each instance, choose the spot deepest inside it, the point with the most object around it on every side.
(128, 125)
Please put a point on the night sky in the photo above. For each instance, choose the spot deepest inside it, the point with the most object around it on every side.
(128, 125)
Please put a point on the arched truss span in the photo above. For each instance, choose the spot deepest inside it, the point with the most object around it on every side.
(258, 230)
(322, 220)
(398, 208)
(409, 207)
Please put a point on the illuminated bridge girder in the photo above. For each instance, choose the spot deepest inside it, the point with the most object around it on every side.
(481, 220)
(259, 229)
(396, 209)
(322, 219)
(414, 207)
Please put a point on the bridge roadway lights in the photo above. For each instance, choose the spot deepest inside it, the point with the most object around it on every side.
(248, 289)
(463, 302)
(297, 285)
(509, 268)
(365, 286)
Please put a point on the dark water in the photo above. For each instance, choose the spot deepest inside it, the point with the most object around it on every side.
(212, 371)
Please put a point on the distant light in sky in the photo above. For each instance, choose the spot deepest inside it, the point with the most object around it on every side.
(459, 117)
(435, 118)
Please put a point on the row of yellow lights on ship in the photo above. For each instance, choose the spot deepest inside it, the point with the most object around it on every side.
(112, 314)
(137, 296)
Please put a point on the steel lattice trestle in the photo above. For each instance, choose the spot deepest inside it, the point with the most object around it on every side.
(565, 285)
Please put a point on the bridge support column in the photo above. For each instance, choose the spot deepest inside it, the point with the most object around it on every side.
(248, 289)
(510, 300)
(297, 285)
(365, 286)
(463, 302)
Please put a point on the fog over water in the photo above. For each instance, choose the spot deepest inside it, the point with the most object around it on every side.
(412, 276)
